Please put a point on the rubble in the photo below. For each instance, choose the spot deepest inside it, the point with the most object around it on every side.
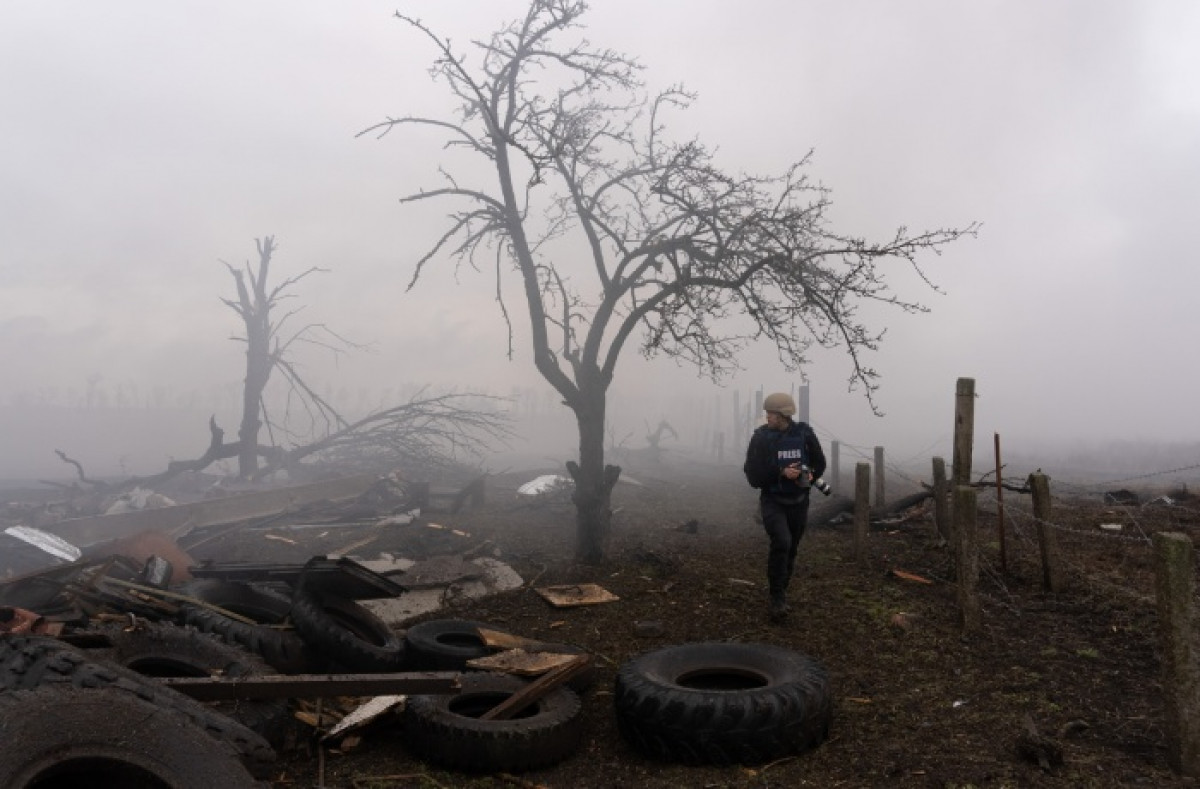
(132, 566)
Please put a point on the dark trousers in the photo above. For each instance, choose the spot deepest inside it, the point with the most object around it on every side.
(784, 522)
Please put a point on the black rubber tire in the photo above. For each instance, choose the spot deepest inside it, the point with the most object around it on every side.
(723, 703)
(31, 662)
(444, 644)
(284, 650)
(346, 633)
(447, 730)
(58, 737)
(165, 650)
(447, 645)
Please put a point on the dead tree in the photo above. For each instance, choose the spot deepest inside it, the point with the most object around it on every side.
(671, 249)
(268, 342)
(429, 430)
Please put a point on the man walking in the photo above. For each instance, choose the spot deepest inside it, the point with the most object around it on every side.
(782, 460)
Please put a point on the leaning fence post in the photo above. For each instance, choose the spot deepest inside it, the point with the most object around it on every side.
(967, 555)
(835, 465)
(862, 508)
(1175, 584)
(880, 498)
(1039, 484)
(941, 516)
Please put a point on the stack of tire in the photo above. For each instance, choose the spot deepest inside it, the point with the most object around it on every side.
(67, 719)
(332, 633)
(449, 730)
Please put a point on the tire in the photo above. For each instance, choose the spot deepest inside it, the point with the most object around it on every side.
(346, 633)
(722, 703)
(165, 650)
(108, 739)
(447, 645)
(447, 730)
(444, 644)
(284, 650)
(31, 662)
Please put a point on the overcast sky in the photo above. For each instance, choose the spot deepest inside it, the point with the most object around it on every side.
(145, 142)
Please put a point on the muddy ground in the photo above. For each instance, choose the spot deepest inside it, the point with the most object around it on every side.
(916, 704)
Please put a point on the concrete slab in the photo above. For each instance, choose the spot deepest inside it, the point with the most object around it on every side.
(494, 576)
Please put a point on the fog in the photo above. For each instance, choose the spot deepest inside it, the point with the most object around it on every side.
(146, 142)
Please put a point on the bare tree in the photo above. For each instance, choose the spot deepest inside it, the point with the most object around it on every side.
(671, 246)
(428, 431)
(269, 339)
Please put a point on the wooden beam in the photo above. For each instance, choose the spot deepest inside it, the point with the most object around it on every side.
(283, 686)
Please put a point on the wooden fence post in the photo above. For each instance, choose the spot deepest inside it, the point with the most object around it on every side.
(1175, 584)
(964, 436)
(1039, 484)
(862, 509)
(967, 553)
(941, 515)
(835, 466)
(737, 416)
(880, 498)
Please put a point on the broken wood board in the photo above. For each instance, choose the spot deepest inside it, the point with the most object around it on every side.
(361, 716)
(904, 575)
(209, 512)
(498, 639)
(570, 595)
(535, 690)
(521, 663)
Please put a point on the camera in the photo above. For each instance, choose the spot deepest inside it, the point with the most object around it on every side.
(819, 483)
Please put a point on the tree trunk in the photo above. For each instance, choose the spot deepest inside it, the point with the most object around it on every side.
(258, 371)
(594, 481)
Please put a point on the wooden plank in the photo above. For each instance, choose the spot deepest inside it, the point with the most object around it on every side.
(284, 686)
(570, 595)
(498, 639)
(521, 663)
(209, 512)
(537, 689)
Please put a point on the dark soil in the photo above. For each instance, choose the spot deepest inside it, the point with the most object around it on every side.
(916, 702)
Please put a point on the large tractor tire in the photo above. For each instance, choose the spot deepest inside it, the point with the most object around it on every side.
(60, 737)
(164, 650)
(723, 703)
(32, 662)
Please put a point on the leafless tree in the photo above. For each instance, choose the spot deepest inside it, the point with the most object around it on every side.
(671, 246)
(268, 341)
(428, 431)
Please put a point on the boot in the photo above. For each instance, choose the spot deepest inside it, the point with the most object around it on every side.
(778, 611)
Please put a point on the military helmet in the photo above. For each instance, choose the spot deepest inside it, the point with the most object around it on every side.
(781, 403)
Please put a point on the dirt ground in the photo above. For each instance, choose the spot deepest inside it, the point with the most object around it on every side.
(916, 704)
